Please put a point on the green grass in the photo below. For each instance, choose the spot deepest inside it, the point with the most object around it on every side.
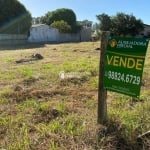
(48, 113)
(27, 72)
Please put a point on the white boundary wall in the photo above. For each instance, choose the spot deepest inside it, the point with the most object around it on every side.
(12, 39)
(45, 33)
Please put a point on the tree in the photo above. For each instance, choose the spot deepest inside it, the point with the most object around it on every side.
(14, 18)
(64, 14)
(62, 26)
(105, 22)
(121, 24)
(124, 24)
(60, 14)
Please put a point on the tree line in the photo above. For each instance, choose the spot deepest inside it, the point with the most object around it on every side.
(121, 24)
(16, 19)
(64, 20)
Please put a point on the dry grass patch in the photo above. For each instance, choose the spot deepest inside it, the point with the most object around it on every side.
(40, 111)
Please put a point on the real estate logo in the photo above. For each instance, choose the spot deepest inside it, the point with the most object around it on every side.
(112, 43)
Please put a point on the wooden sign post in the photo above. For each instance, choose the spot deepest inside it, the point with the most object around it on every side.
(120, 69)
(102, 93)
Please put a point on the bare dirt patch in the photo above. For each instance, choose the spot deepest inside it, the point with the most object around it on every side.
(22, 95)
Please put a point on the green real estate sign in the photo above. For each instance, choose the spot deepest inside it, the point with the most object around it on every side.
(124, 62)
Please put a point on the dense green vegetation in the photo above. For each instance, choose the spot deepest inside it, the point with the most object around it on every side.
(62, 26)
(14, 18)
(59, 15)
(121, 24)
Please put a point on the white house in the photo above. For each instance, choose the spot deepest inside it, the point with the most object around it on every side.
(43, 33)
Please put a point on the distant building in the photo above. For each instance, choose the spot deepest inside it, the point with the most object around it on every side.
(43, 33)
(146, 31)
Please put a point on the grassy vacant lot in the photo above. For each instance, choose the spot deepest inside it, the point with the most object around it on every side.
(40, 111)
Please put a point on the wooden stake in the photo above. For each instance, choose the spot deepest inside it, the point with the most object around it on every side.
(102, 93)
